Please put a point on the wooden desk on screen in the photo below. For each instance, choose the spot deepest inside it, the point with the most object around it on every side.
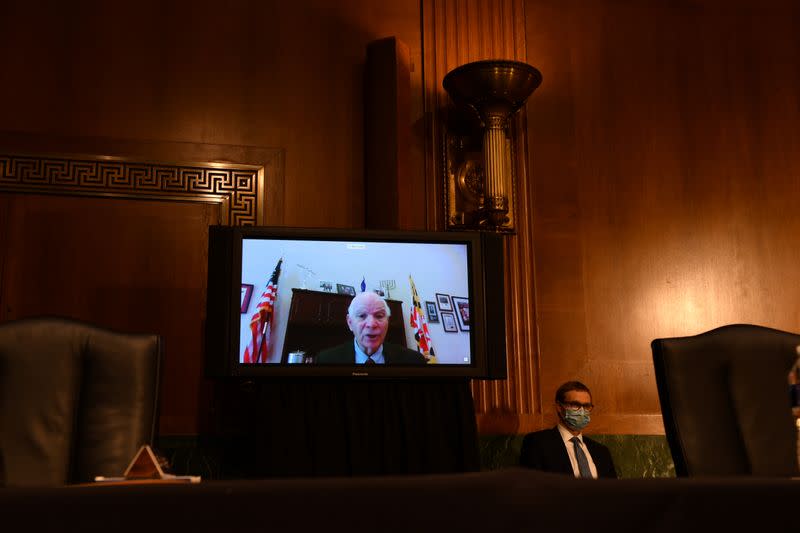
(317, 320)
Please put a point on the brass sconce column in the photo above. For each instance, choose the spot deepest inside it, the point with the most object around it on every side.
(479, 170)
(494, 158)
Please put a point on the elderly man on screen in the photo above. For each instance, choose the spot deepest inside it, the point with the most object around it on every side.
(564, 449)
(368, 319)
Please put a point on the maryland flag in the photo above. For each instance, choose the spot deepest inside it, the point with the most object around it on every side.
(261, 323)
(420, 327)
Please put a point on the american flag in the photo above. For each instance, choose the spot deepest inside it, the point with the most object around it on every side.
(261, 323)
(420, 327)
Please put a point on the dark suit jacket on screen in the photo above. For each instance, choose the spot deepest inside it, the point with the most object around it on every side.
(393, 354)
(545, 450)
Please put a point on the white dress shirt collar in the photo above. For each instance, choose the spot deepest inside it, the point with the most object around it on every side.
(361, 357)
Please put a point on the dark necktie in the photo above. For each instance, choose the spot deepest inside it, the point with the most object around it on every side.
(370, 361)
(583, 463)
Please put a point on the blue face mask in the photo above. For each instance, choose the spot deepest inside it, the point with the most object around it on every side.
(577, 419)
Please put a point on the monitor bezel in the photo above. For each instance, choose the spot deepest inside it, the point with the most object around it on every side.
(233, 239)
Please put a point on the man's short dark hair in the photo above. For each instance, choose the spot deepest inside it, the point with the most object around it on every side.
(570, 386)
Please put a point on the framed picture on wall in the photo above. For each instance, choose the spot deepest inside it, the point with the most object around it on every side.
(430, 310)
(449, 322)
(461, 306)
(247, 293)
(443, 300)
(345, 289)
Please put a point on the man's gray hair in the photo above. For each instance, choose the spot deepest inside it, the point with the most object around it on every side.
(374, 294)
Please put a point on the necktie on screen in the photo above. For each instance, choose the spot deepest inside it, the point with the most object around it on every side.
(583, 463)
(370, 361)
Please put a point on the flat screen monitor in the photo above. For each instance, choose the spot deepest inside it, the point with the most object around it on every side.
(354, 303)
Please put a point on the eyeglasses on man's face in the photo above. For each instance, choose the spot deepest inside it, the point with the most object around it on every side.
(574, 406)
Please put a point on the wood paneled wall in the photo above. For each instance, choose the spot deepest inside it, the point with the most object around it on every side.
(207, 81)
(457, 32)
(664, 157)
(271, 73)
(657, 171)
(121, 242)
(658, 188)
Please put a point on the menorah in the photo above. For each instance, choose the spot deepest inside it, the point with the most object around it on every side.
(388, 284)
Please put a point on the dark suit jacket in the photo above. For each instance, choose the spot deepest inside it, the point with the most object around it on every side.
(545, 450)
(393, 354)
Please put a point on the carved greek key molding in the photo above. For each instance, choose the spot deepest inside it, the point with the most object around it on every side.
(237, 188)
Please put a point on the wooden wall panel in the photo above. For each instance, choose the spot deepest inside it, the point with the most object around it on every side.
(391, 189)
(129, 265)
(122, 242)
(270, 83)
(457, 32)
(665, 171)
(269, 74)
(656, 194)
(657, 168)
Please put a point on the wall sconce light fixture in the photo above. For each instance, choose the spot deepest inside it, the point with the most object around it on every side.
(478, 148)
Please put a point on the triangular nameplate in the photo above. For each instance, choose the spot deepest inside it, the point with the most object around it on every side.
(144, 465)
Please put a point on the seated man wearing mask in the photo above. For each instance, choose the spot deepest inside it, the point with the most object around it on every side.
(368, 319)
(563, 449)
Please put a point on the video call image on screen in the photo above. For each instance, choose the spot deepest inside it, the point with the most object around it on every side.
(274, 271)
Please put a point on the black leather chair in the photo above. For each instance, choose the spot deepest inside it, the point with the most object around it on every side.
(76, 400)
(725, 403)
